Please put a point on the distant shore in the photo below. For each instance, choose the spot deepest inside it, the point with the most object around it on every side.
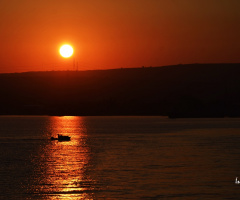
(179, 91)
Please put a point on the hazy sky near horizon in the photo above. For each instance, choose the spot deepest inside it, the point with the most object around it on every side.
(117, 33)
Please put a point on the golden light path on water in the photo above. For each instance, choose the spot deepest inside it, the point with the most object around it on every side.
(65, 162)
(119, 158)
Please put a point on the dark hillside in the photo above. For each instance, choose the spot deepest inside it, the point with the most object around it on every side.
(197, 90)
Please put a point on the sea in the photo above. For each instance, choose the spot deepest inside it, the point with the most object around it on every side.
(133, 157)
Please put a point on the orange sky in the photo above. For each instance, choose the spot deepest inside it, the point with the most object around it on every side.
(120, 33)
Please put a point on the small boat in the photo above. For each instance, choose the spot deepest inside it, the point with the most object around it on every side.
(61, 138)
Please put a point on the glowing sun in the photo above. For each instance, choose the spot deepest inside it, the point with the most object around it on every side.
(66, 51)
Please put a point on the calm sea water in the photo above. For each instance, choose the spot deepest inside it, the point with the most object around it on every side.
(119, 158)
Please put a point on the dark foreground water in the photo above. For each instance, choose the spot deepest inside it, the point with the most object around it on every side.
(119, 158)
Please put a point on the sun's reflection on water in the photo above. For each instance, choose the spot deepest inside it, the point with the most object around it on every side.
(66, 162)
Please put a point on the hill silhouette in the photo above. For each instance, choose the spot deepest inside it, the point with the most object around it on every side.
(194, 90)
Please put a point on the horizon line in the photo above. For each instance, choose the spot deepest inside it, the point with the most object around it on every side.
(121, 68)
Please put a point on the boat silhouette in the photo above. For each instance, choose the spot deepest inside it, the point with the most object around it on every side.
(61, 138)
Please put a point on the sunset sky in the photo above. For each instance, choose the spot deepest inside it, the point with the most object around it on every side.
(117, 33)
